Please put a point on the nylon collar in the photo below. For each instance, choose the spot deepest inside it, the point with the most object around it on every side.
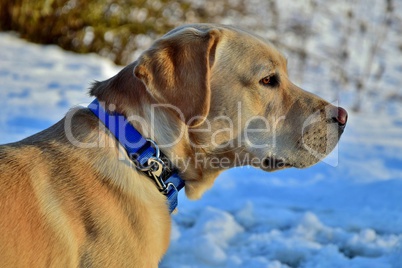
(143, 152)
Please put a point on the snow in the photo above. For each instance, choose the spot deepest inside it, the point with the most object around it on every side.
(344, 212)
(40, 83)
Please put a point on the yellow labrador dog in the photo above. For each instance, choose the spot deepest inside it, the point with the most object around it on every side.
(211, 97)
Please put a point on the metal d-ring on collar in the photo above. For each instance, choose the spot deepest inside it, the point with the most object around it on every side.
(154, 167)
(149, 166)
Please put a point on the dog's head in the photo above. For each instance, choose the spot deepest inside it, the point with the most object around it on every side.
(224, 99)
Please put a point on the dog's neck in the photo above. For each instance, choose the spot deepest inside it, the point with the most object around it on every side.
(144, 153)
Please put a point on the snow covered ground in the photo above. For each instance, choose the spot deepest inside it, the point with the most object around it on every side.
(344, 212)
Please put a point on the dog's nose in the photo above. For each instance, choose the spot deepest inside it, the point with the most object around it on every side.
(342, 116)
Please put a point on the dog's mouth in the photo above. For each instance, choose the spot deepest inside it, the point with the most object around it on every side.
(274, 163)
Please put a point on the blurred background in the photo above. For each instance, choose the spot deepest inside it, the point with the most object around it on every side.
(354, 57)
(343, 212)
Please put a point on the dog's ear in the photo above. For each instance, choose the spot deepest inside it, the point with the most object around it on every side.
(176, 71)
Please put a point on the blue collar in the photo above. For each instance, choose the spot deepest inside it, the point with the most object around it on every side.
(144, 153)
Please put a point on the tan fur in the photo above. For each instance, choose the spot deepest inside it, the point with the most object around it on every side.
(70, 197)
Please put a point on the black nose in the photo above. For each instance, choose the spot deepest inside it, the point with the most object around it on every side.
(342, 116)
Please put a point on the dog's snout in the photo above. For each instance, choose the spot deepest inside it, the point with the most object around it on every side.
(342, 116)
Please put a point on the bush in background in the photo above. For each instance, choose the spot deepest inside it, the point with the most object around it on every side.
(111, 28)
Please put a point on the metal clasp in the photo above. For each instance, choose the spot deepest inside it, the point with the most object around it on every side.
(155, 167)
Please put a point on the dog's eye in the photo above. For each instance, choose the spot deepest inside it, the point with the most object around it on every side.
(270, 81)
